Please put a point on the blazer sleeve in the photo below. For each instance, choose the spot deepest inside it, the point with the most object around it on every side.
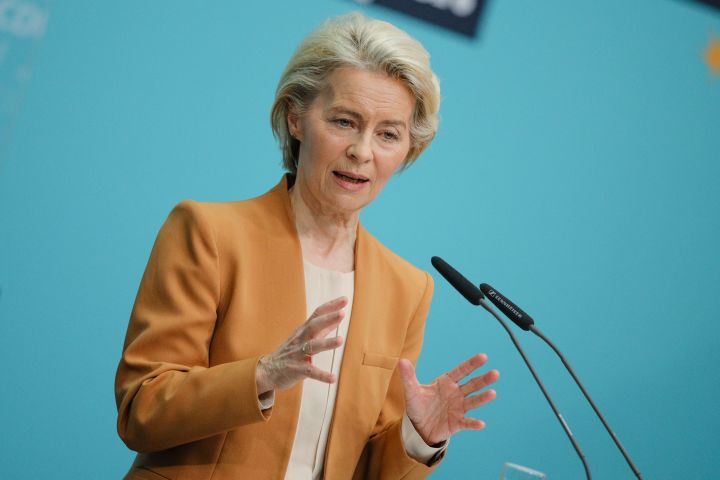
(384, 456)
(167, 393)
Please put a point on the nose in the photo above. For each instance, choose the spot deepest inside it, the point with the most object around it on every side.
(360, 150)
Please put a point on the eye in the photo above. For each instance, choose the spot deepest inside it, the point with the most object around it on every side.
(389, 136)
(343, 122)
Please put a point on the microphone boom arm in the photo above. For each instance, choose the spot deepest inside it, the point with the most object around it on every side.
(486, 306)
(569, 368)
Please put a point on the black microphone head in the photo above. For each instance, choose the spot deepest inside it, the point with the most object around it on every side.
(455, 278)
(512, 311)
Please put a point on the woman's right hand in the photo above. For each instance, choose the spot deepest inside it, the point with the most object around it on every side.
(292, 362)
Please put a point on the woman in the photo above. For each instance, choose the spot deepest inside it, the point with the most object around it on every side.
(236, 363)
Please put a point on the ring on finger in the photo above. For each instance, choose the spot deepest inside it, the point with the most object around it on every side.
(305, 349)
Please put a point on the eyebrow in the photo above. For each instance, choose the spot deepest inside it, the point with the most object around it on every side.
(360, 117)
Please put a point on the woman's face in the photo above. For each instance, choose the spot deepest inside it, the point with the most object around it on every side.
(353, 139)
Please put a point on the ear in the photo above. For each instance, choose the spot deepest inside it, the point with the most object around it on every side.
(293, 121)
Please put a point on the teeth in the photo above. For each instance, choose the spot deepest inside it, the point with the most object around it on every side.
(349, 179)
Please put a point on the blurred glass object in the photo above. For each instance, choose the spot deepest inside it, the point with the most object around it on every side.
(516, 472)
(22, 27)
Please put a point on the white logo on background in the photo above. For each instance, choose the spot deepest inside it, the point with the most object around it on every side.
(460, 8)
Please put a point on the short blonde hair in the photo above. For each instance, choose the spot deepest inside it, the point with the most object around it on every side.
(355, 41)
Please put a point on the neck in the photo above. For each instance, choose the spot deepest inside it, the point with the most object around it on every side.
(327, 237)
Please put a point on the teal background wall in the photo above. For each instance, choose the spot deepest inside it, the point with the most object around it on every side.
(576, 169)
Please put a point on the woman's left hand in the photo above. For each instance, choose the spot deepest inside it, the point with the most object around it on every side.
(438, 410)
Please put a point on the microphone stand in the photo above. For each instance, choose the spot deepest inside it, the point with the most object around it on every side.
(514, 339)
(537, 332)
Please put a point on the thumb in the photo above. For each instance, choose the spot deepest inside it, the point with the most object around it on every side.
(407, 374)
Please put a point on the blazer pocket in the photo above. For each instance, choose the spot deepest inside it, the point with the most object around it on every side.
(377, 360)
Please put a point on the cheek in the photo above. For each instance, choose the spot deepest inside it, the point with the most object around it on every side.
(328, 147)
(391, 161)
(385, 170)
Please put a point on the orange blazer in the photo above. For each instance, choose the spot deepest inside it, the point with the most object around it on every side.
(225, 285)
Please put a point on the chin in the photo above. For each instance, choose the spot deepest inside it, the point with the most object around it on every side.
(347, 205)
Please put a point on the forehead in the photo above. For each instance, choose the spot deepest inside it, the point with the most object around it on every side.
(370, 94)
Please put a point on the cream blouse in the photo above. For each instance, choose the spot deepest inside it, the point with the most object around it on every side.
(307, 457)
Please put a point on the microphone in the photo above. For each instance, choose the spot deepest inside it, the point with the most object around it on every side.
(524, 321)
(512, 311)
(476, 297)
(457, 280)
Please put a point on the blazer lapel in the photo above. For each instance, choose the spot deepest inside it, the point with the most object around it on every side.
(287, 273)
(353, 417)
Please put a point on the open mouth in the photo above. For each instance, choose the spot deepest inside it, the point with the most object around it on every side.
(352, 179)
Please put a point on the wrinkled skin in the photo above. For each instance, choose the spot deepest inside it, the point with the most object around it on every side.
(289, 365)
(438, 409)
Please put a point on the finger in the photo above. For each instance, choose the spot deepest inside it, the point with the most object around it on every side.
(479, 400)
(321, 326)
(472, 424)
(467, 367)
(316, 346)
(478, 383)
(329, 307)
(407, 374)
(315, 373)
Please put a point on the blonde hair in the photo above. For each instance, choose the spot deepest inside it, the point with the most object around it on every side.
(355, 41)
